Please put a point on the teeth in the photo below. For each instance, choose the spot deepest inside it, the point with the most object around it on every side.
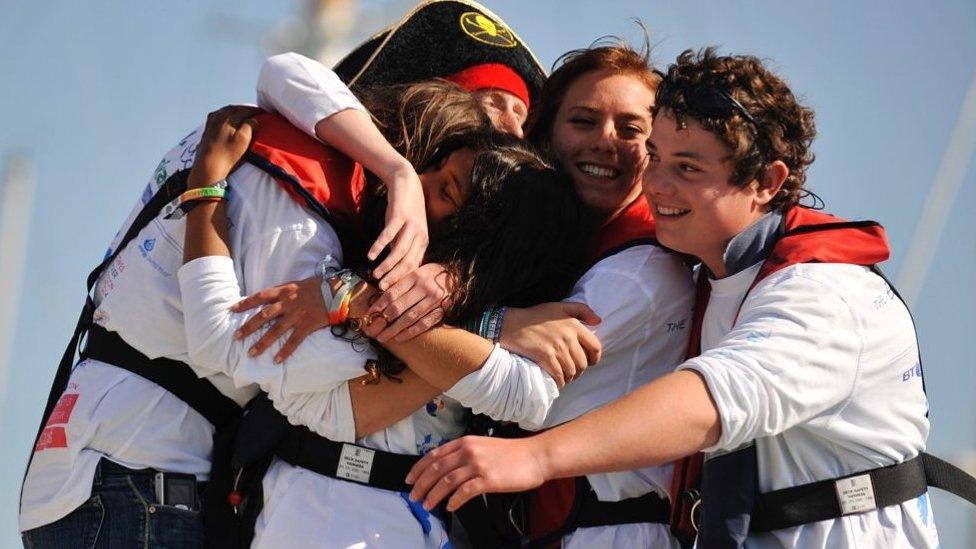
(664, 210)
(598, 171)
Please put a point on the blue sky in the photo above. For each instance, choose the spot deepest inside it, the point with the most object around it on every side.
(96, 92)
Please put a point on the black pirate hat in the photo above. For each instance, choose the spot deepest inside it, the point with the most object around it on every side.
(440, 38)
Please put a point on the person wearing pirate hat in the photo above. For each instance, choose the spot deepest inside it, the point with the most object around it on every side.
(458, 40)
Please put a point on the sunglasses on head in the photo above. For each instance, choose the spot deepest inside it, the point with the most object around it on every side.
(704, 101)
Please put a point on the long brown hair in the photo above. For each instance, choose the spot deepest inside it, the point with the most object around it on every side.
(417, 118)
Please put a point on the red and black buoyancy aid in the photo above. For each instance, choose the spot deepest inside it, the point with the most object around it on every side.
(806, 236)
(316, 176)
(634, 226)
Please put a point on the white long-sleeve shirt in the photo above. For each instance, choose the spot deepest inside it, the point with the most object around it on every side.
(821, 370)
(108, 411)
(644, 297)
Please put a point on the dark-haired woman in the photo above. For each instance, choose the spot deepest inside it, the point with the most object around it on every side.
(594, 117)
(496, 191)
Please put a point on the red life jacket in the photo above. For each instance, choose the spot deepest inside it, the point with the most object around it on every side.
(315, 175)
(633, 227)
(807, 236)
(550, 507)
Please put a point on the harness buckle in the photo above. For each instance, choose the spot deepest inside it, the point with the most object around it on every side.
(855, 494)
(692, 499)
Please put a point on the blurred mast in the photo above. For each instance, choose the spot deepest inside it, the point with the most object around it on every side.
(16, 197)
(326, 30)
(938, 204)
(322, 30)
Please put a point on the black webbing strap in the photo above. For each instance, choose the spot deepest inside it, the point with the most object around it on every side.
(890, 485)
(343, 461)
(820, 500)
(170, 189)
(592, 512)
(589, 512)
(946, 476)
(172, 375)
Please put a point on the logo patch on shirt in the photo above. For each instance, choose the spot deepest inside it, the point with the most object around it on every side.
(913, 372)
(54, 435)
(676, 326)
(145, 249)
(62, 411)
(885, 298)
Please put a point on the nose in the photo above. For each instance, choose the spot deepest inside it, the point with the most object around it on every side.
(604, 139)
(510, 122)
(655, 182)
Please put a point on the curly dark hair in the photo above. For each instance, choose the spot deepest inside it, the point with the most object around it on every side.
(783, 130)
(609, 54)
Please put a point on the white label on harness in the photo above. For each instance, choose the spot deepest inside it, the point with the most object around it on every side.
(855, 494)
(355, 463)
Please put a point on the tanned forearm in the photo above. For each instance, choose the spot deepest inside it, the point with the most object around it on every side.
(353, 133)
(443, 355)
(671, 417)
(206, 231)
(378, 406)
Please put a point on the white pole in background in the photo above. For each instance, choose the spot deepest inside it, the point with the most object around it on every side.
(939, 202)
(16, 197)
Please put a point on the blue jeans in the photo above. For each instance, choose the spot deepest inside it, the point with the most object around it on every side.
(122, 512)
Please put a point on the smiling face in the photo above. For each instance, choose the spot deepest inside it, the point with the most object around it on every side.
(447, 184)
(506, 111)
(687, 180)
(598, 137)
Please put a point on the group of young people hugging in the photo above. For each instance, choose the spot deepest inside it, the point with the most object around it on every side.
(484, 251)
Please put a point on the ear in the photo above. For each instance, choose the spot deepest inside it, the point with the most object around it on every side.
(771, 181)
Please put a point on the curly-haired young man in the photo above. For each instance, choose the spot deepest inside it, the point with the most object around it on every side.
(806, 393)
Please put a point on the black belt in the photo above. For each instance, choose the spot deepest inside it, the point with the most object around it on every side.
(592, 512)
(303, 448)
(109, 467)
(172, 375)
(861, 492)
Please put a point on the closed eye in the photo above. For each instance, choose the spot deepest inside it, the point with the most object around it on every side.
(581, 121)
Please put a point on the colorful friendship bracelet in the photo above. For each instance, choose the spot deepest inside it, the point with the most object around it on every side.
(182, 204)
(338, 303)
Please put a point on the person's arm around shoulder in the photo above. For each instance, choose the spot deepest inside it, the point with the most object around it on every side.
(303, 90)
(312, 97)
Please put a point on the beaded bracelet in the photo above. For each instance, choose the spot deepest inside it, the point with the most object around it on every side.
(489, 324)
(496, 324)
